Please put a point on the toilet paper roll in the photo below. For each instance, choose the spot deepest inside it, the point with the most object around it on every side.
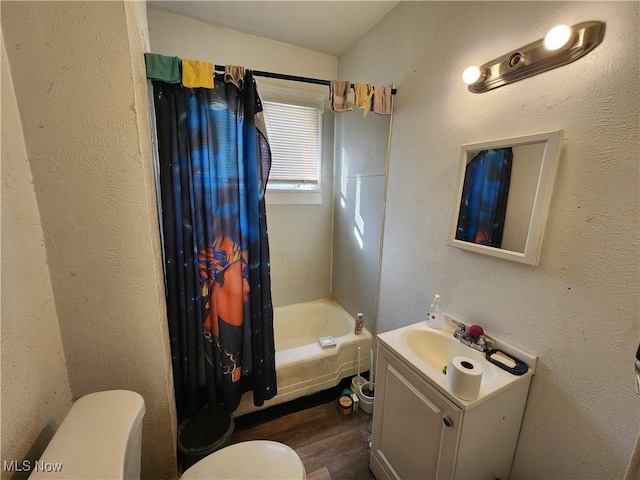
(464, 377)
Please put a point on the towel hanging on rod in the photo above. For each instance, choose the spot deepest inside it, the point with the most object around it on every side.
(154, 60)
(293, 78)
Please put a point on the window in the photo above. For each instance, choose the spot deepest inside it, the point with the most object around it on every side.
(295, 138)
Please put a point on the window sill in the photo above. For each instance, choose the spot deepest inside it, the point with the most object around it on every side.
(293, 197)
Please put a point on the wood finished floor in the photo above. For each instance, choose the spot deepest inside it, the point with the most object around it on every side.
(331, 445)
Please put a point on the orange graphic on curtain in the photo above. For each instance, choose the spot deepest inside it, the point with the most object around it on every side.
(222, 266)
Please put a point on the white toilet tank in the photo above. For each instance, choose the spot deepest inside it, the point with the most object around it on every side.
(100, 438)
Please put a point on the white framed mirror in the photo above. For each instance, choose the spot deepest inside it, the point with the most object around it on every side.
(503, 196)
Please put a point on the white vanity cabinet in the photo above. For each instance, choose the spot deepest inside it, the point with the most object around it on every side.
(420, 431)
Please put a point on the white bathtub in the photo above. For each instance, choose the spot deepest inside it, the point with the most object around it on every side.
(303, 367)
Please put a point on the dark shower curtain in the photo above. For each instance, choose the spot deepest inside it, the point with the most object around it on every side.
(484, 197)
(214, 162)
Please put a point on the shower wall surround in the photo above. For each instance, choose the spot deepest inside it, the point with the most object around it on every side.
(360, 159)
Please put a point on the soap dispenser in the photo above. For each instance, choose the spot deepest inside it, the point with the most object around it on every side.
(435, 318)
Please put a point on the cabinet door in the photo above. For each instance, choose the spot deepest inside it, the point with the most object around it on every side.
(415, 428)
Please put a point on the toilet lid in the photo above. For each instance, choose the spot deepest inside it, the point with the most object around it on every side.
(254, 460)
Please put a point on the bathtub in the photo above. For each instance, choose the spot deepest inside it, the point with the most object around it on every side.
(303, 367)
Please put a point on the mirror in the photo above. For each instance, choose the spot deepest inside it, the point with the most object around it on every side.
(503, 196)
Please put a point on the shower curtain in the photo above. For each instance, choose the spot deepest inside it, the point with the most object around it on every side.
(214, 161)
(484, 197)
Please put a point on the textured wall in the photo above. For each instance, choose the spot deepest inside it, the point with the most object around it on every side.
(300, 235)
(79, 80)
(173, 34)
(578, 310)
(35, 389)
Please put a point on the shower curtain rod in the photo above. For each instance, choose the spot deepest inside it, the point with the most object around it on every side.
(293, 78)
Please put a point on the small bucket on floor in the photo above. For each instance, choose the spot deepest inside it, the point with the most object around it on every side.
(204, 434)
(366, 393)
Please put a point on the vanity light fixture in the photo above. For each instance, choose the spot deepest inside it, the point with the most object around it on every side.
(562, 45)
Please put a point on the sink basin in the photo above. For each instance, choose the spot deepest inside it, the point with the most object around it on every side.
(435, 348)
(427, 351)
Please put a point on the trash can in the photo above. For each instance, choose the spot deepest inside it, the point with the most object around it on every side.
(204, 434)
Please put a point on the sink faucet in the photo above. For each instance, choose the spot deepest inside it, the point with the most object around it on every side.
(461, 330)
(478, 341)
(482, 342)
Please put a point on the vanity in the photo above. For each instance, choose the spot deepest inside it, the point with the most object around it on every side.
(422, 430)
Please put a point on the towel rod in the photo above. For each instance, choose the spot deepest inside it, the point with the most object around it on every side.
(293, 78)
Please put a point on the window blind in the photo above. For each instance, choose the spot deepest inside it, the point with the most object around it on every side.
(294, 138)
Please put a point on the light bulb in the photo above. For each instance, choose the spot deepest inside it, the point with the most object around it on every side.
(557, 37)
(471, 75)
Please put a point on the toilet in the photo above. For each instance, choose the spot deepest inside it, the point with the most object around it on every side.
(101, 438)
(256, 459)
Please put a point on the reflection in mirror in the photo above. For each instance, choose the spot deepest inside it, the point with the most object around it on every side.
(503, 196)
(485, 191)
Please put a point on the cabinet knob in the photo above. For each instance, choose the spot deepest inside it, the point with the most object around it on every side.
(447, 421)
